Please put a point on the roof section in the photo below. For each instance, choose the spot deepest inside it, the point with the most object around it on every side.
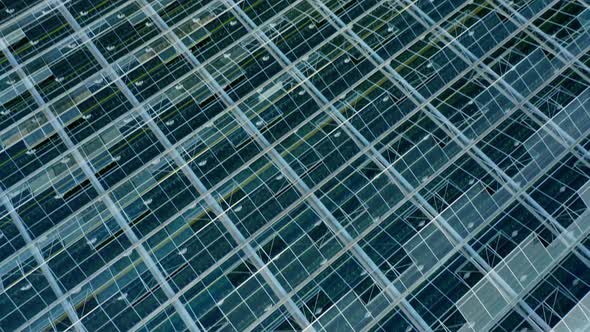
(318, 165)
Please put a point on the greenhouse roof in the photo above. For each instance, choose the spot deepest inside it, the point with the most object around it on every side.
(288, 165)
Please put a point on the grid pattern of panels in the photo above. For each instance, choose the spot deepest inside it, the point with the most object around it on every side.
(317, 165)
